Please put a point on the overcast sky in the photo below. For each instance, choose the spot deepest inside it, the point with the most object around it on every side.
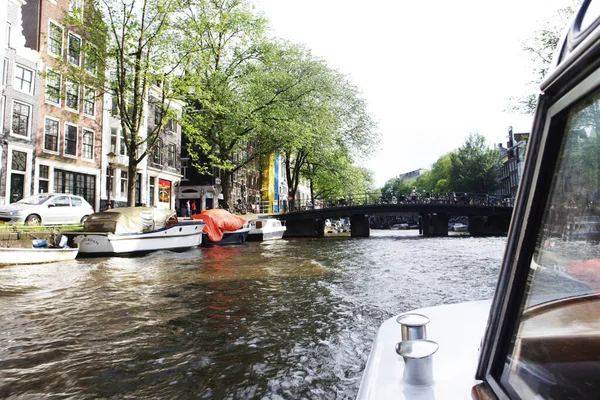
(431, 71)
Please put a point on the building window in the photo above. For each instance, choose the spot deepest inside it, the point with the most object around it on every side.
(8, 32)
(23, 79)
(185, 162)
(123, 147)
(171, 156)
(157, 153)
(76, 183)
(4, 71)
(88, 144)
(89, 101)
(138, 191)
(113, 140)
(19, 161)
(75, 6)
(152, 191)
(70, 140)
(53, 82)
(20, 119)
(74, 51)
(2, 104)
(157, 114)
(171, 126)
(44, 178)
(55, 39)
(123, 183)
(91, 60)
(51, 128)
(72, 98)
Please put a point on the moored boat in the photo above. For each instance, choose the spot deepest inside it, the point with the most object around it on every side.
(36, 255)
(539, 337)
(222, 227)
(265, 229)
(135, 230)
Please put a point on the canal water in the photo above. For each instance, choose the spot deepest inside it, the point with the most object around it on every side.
(290, 319)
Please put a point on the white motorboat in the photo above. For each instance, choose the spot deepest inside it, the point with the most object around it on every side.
(36, 255)
(135, 230)
(539, 337)
(265, 229)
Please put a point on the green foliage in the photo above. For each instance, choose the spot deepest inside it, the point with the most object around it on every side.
(474, 167)
(541, 46)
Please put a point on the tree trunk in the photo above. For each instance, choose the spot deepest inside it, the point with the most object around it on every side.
(226, 185)
(131, 178)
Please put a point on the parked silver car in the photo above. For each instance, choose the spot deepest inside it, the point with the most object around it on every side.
(47, 209)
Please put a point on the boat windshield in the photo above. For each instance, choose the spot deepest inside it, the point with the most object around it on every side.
(35, 200)
(555, 349)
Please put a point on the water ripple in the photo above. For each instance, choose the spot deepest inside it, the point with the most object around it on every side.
(287, 319)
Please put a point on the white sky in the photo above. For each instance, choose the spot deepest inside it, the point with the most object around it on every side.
(431, 71)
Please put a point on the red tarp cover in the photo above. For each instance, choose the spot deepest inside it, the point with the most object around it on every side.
(218, 221)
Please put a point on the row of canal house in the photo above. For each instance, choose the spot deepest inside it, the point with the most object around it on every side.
(60, 136)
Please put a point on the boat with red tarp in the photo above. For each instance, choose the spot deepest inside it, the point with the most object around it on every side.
(222, 227)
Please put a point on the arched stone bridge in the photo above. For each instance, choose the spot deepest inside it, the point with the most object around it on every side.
(433, 218)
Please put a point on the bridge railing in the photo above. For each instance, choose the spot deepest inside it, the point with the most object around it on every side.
(363, 199)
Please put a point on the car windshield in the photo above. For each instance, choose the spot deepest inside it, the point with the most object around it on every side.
(34, 200)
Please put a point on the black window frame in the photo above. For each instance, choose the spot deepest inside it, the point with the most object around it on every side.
(50, 139)
(74, 52)
(70, 140)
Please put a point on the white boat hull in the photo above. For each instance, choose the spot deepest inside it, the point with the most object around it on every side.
(265, 229)
(179, 237)
(18, 256)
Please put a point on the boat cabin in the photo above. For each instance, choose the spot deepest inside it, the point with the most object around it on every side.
(541, 336)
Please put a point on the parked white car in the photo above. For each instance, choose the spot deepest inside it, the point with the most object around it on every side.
(47, 209)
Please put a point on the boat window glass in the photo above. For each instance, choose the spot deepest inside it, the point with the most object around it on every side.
(555, 348)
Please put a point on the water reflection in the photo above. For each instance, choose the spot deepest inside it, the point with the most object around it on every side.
(291, 318)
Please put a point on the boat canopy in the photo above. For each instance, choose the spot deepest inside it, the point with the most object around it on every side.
(128, 220)
(218, 221)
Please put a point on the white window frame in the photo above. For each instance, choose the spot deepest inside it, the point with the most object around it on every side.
(86, 91)
(85, 131)
(12, 115)
(18, 81)
(66, 125)
(69, 84)
(76, 36)
(60, 91)
(62, 39)
(44, 149)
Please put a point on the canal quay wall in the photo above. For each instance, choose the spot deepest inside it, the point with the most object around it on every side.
(24, 239)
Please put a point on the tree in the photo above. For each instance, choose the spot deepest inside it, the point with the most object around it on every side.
(331, 132)
(142, 49)
(541, 47)
(230, 95)
(474, 167)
